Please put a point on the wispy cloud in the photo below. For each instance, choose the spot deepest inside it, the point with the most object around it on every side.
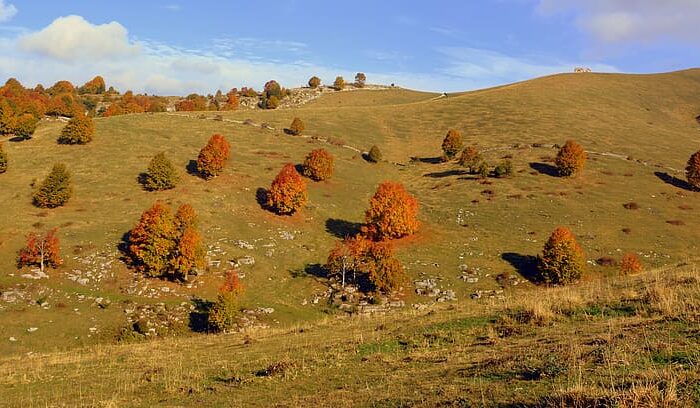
(172, 7)
(619, 21)
(7, 11)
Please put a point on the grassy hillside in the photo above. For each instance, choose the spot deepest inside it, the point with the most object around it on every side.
(639, 131)
(628, 343)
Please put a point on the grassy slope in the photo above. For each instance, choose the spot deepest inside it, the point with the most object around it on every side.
(649, 118)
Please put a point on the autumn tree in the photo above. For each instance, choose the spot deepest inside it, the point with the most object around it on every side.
(471, 159)
(288, 191)
(271, 96)
(297, 127)
(93, 86)
(374, 155)
(41, 251)
(570, 159)
(79, 130)
(314, 82)
(56, 188)
(232, 101)
(630, 264)
(360, 79)
(163, 245)
(212, 158)
(392, 213)
(3, 160)
(24, 125)
(692, 170)
(562, 260)
(225, 310)
(503, 169)
(318, 165)
(161, 174)
(61, 87)
(339, 83)
(359, 259)
(452, 144)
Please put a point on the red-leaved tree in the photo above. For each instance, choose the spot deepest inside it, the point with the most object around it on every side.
(318, 165)
(213, 156)
(41, 251)
(288, 191)
(392, 213)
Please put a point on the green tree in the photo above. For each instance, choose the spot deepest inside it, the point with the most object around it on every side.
(56, 188)
(692, 170)
(79, 130)
(161, 174)
(562, 260)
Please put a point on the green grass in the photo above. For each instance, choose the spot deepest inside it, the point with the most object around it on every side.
(632, 126)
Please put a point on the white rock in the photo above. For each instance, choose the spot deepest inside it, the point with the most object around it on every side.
(32, 329)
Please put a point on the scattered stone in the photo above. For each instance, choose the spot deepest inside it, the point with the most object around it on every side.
(32, 329)
(12, 339)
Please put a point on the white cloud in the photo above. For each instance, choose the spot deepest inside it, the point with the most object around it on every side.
(71, 37)
(7, 11)
(63, 51)
(172, 7)
(615, 21)
(482, 68)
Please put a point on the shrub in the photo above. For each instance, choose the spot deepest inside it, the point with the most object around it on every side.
(570, 159)
(374, 155)
(56, 188)
(314, 82)
(562, 260)
(692, 170)
(225, 310)
(288, 191)
(630, 264)
(272, 88)
(297, 127)
(271, 102)
(3, 160)
(79, 130)
(161, 174)
(339, 83)
(360, 79)
(452, 144)
(471, 159)
(165, 246)
(367, 260)
(483, 170)
(504, 169)
(41, 251)
(213, 156)
(392, 213)
(318, 165)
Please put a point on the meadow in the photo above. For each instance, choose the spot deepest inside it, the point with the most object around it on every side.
(639, 131)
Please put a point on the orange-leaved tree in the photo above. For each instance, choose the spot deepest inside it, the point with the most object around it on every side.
(314, 82)
(372, 264)
(297, 127)
(225, 310)
(570, 159)
(630, 264)
(451, 144)
(288, 191)
(213, 156)
(692, 170)
(41, 251)
(392, 213)
(562, 260)
(318, 165)
(165, 246)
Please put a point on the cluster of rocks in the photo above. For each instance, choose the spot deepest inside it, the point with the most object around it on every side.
(158, 319)
(428, 288)
(94, 268)
(468, 275)
(491, 294)
(154, 289)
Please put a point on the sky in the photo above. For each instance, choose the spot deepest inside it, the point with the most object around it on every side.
(175, 47)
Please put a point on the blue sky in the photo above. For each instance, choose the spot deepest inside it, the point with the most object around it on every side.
(171, 47)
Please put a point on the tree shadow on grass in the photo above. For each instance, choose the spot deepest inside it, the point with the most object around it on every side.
(17, 139)
(192, 168)
(261, 198)
(428, 160)
(448, 173)
(546, 169)
(674, 181)
(199, 317)
(526, 265)
(342, 228)
(310, 270)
